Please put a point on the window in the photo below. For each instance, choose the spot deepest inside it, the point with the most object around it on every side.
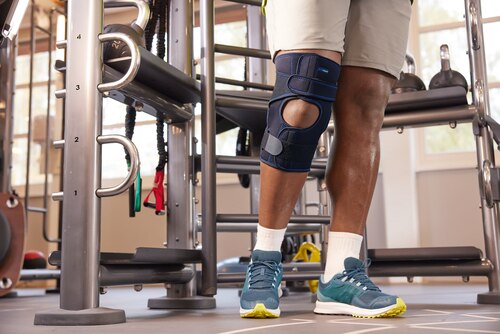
(442, 22)
(226, 66)
(40, 102)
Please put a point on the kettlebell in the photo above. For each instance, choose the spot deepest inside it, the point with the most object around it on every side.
(117, 48)
(408, 82)
(447, 77)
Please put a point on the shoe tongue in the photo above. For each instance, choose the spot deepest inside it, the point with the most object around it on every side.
(259, 255)
(352, 263)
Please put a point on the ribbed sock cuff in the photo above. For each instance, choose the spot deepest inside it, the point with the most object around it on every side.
(341, 245)
(269, 239)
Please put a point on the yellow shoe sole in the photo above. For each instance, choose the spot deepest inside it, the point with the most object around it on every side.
(398, 309)
(260, 312)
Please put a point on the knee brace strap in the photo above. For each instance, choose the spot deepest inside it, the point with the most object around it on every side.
(308, 77)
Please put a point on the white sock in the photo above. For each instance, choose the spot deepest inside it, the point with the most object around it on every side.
(341, 245)
(269, 239)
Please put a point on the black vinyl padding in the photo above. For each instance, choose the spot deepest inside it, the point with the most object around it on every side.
(162, 77)
(254, 119)
(247, 109)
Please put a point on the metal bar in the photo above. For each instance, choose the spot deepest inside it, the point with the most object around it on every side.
(60, 93)
(288, 276)
(430, 268)
(135, 61)
(245, 84)
(62, 44)
(45, 223)
(39, 210)
(7, 84)
(484, 144)
(241, 51)
(39, 274)
(251, 165)
(58, 196)
(134, 165)
(253, 218)
(416, 118)
(252, 227)
(241, 103)
(180, 218)
(83, 122)
(58, 144)
(141, 5)
(43, 30)
(30, 110)
(248, 2)
(144, 274)
(208, 166)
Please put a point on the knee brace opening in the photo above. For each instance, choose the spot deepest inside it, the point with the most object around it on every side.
(305, 77)
(300, 114)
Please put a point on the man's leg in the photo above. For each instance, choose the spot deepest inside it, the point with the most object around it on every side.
(276, 205)
(278, 194)
(351, 176)
(354, 160)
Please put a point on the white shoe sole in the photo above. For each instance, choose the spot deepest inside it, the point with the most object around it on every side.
(346, 309)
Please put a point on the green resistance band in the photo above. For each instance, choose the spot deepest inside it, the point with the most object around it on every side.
(138, 193)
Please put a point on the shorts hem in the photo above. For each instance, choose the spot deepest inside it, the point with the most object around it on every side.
(377, 66)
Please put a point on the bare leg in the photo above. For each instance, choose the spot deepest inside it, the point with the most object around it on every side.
(354, 160)
(276, 205)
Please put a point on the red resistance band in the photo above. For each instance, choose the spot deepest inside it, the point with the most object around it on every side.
(159, 193)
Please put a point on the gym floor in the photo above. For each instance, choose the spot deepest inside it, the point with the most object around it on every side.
(432, 308)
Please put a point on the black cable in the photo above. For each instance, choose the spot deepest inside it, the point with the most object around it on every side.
(162, 28)
(160, 144)
(160, 52)
(129, 127)
(150, 30)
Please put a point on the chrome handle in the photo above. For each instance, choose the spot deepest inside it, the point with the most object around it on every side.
(474, 26)
(135, 61)
(410, 62)
(444, 53)
(134, 165)
(141, 5)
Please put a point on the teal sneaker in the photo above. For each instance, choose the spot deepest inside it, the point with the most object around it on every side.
(353, 293)
(261, 291)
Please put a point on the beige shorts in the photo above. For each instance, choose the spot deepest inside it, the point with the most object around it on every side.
(368, 33)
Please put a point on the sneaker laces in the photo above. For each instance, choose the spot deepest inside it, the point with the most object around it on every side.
(359, 275)
(263, 274)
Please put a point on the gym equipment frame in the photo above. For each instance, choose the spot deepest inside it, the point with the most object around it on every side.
(85, 270)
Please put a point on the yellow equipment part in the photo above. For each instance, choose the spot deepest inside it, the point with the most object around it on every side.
(308, 252)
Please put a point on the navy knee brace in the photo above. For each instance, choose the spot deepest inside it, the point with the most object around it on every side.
(308, 77)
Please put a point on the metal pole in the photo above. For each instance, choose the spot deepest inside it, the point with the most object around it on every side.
(7, 83)
(256, 74)
(81, 211)
(30, 110)
(80, 255)
(47, 139)
(179, 177)
(208, 168)
(484, 145)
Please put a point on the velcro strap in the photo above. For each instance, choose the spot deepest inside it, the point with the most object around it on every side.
(272, 144)
(312, 88)
(287, 151)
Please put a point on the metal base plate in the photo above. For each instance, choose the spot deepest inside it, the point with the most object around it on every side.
(87, 317)
(197, 302)
(489, 298)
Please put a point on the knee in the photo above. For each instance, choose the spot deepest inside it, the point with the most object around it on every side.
(300, 114)
(365, 105)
